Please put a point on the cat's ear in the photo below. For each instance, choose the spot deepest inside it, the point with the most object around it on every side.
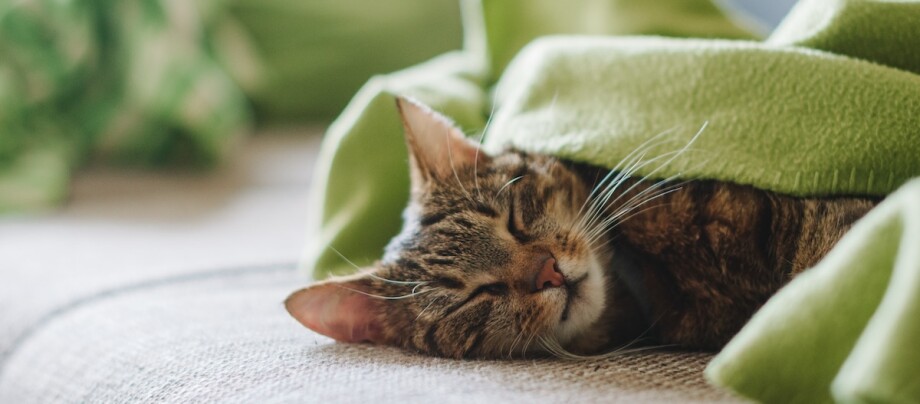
(339, 309)
(436, 146)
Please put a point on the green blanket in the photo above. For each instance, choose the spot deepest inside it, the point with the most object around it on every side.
(829, 104)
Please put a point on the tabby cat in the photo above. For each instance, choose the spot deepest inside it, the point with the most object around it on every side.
(518, 253)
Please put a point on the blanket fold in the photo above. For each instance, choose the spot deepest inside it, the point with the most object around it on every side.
(787, 119)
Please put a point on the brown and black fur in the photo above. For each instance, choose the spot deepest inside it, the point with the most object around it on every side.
(467, 276)
(709, 254)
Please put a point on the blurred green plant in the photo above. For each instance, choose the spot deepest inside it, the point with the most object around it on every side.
(132, 82)
(316, 54)
(156, 82)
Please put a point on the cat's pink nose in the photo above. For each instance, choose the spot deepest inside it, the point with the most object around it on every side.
(549, 276)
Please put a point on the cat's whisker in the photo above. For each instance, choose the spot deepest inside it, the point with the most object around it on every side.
(601, 249)
(614, 176)
(666, 180)
(579, 218)
(372, 275)
(413, 294)
(395, 282)
(605, 231)
(476, 169)
(428, 306)
(625, 349)
(641, 149)
(528, 343)
(596, 209)
(604, 201)
(598, 204)
(507, 184)
(636, 201)
(642, 336)
(552, 345)
(554, 348)
(450, 159)
(502, 348)
(520, 339)
(649, 175)
(514, 342)
(655, 192)
(672, 156)
(482, 137)
(545, 346)
(344, 258)
(417, 286)
(652, 192)
(615, 218)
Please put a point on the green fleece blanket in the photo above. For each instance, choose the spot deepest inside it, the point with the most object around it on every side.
(829, 104)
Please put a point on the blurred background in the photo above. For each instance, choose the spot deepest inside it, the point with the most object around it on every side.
(151, 136)
(152, 83)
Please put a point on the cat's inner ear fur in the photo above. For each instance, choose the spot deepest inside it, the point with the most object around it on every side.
(437, 148)
(340, 309)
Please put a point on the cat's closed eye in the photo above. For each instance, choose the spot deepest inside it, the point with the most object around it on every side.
(495, 289)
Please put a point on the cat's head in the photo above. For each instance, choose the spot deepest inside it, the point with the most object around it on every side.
(494, 258)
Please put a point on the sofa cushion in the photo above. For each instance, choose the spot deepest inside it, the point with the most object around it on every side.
(126, 229)
(225, 336)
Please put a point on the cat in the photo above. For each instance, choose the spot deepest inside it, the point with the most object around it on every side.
(521, 253)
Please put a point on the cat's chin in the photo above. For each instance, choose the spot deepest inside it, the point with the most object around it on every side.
(584, 303)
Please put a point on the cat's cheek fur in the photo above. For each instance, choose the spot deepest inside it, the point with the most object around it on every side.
(587, 307)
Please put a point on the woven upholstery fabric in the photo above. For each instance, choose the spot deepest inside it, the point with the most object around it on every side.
(128, 228)
(224, 336)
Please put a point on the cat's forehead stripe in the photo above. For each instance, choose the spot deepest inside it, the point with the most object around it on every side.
(485, 210)
(430, 218)
(439, 261)
(449, 282)
(408, 264)
(451, 250)
(463, 222)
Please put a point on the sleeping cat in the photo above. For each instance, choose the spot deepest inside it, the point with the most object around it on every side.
(518, 253)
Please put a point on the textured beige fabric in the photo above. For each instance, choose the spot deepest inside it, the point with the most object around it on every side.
(127, 227)
(226, 337)
(166, 288)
